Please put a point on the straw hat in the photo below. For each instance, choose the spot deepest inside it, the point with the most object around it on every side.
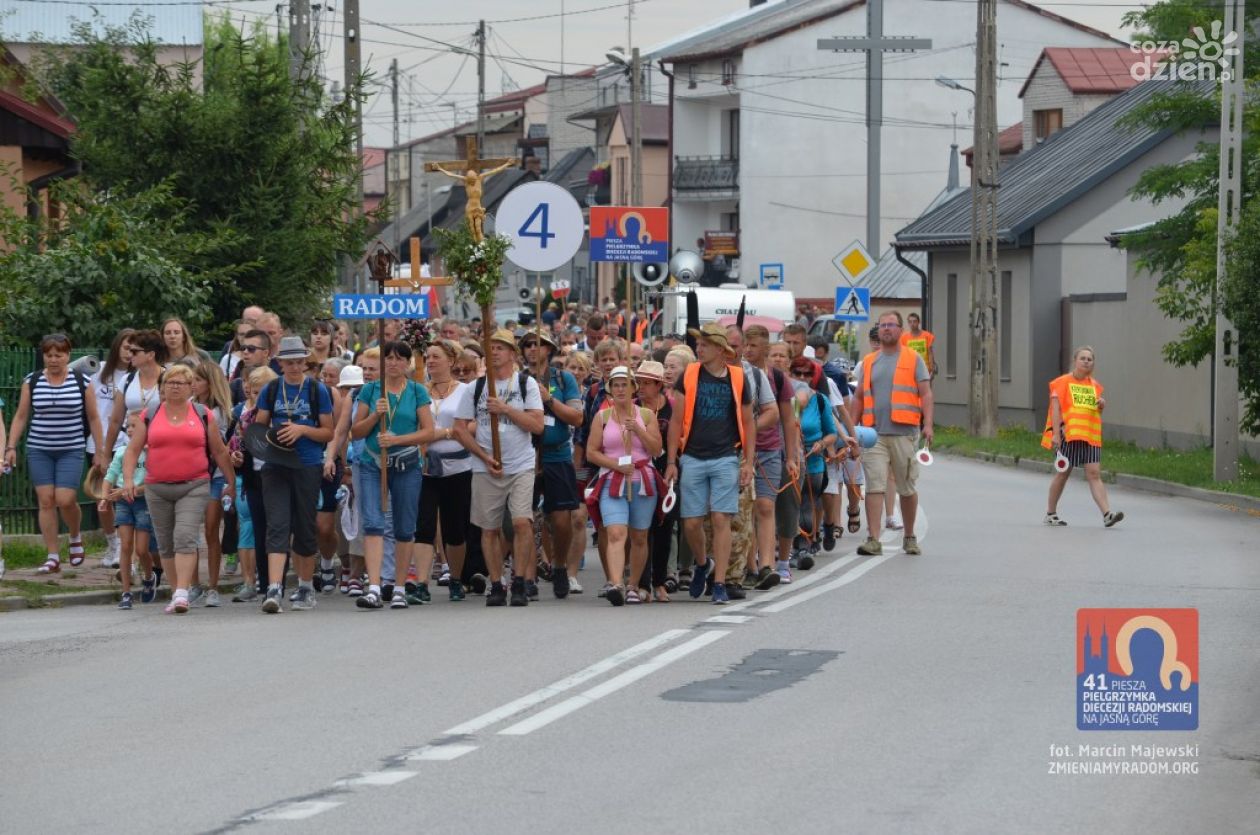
(651, 370)
(94, 483)
(714, 334)
(506, 337)
(623, 371)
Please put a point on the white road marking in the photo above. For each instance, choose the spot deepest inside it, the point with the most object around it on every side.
(376, 778)
(558, 711)
(826, 587)
(539, 696)
(440, 753)
(296, 811)
(729, 619)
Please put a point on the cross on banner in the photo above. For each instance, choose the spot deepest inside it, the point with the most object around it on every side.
(875, 44)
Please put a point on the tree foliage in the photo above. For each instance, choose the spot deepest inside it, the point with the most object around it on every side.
(1180, 250)
(109, 260)
(242, 146)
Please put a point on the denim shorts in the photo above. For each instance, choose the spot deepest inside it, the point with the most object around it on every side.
(769, 473)
(708, 485)
(404, 500)
(217, 483)
(133, 513)
(637, 511)
(55, 467)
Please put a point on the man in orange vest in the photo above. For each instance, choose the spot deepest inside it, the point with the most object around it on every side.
(894, 395)
(920, 341)
(710, 452)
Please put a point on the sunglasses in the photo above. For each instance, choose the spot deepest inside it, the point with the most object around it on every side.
(249, 349)
(463, 372)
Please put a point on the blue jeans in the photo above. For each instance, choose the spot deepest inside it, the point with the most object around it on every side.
(61, 468)
(404, 501)
(637, 511)
(363, 485)
(708, 485)
(134, 514)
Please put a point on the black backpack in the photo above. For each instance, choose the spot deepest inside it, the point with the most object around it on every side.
(33, 379)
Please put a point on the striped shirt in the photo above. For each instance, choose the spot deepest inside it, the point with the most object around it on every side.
(56, 414)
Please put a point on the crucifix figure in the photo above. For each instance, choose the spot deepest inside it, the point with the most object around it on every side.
(473, 179)
(875, 44)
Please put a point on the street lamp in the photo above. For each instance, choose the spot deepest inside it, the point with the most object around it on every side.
(951, 84)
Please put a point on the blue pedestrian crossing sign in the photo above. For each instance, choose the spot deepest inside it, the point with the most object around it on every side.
(853, 304)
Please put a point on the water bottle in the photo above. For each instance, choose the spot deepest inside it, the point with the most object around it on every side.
(227, 504)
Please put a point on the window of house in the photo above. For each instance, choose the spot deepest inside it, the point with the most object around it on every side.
(951, 326)
(1005, 300)
(728, 72)
(730, 134)
(1046, 122)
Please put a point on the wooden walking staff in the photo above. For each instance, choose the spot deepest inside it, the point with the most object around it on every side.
(381, 265)
(473, 176)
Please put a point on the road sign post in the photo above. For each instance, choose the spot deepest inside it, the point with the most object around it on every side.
(853, 304)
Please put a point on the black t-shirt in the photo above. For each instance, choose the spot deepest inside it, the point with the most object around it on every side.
(714, 424)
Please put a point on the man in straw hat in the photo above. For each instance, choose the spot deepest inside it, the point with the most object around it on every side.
(509, 483)
(562, 410)
(711, 451)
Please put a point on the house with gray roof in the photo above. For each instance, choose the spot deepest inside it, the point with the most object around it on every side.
(1057, 204)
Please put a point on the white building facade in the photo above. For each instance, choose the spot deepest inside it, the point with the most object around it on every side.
(769, 134)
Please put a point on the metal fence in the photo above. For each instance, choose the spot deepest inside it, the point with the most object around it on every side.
(19, 512)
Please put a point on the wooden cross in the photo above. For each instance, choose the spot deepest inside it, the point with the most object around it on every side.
(469, 163)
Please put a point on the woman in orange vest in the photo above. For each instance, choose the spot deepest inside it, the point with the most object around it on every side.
(1074, 428)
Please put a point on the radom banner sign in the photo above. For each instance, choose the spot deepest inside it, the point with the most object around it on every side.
(372, 306)
(630, 234)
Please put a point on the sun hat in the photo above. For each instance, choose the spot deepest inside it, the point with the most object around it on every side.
(506, 337)
(543, 337)
(714, 334)
(262, 443)
(651, 370)
(351, 377)
(94, 484)
(623, 371)
(292, 348)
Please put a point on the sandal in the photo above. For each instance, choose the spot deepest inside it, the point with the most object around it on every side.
(1053, 520)
(855, 519)
(632, 597)
(660, 595)
(51, 565)
(77, 553)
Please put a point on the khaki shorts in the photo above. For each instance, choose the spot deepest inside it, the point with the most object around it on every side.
(897, 451)
(491, 495)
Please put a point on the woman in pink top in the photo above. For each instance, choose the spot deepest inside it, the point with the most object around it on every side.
(182, 439)
(624, 439)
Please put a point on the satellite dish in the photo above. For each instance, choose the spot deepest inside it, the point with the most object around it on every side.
(687, 265)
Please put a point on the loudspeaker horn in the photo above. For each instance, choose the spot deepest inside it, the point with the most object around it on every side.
(687, 266)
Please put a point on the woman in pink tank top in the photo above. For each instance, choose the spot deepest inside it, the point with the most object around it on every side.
(622, 444)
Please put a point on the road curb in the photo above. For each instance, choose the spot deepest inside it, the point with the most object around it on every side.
(86, 598)
(1230, 501)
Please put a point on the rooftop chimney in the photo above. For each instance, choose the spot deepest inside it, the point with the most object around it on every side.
(952, 182)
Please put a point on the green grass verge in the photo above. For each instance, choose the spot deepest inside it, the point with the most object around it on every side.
(1189, 467)
(34, 592)
(20, 553)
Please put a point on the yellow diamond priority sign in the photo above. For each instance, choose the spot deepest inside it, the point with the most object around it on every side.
(853, 262)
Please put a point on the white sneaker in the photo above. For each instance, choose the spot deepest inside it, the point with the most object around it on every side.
(574, 586)
(894, 524)
(212, 598)
(112, 549)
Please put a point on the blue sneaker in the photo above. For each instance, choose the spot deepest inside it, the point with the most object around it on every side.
(719, 594)
(699, 576)
(125, 602)
(148, 589)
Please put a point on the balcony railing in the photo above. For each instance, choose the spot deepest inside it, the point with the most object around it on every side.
(713, 174)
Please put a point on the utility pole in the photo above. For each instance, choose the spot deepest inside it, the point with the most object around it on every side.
(1225, 360)
(636, 150)
(353, 65)
(875, 44)
(393, 95)
(299, 38)
(481, 86)
(983, 395)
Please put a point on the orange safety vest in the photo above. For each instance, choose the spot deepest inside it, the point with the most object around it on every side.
(906, 407)
(1078, 404)
(919, 344)
(640, 329)
(691, 381)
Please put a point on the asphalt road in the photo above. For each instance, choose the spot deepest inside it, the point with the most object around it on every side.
(895, 694)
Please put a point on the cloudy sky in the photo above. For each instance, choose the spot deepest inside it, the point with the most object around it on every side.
(527, 40)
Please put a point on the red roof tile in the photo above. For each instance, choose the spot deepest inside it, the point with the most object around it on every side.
(1093, 70)
(1010, 141)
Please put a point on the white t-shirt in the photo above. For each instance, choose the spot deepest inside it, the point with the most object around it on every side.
(444, 418)
(515, 443)
(103, 391)
(837, 402)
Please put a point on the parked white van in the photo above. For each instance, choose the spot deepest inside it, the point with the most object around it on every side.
(717, 303)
